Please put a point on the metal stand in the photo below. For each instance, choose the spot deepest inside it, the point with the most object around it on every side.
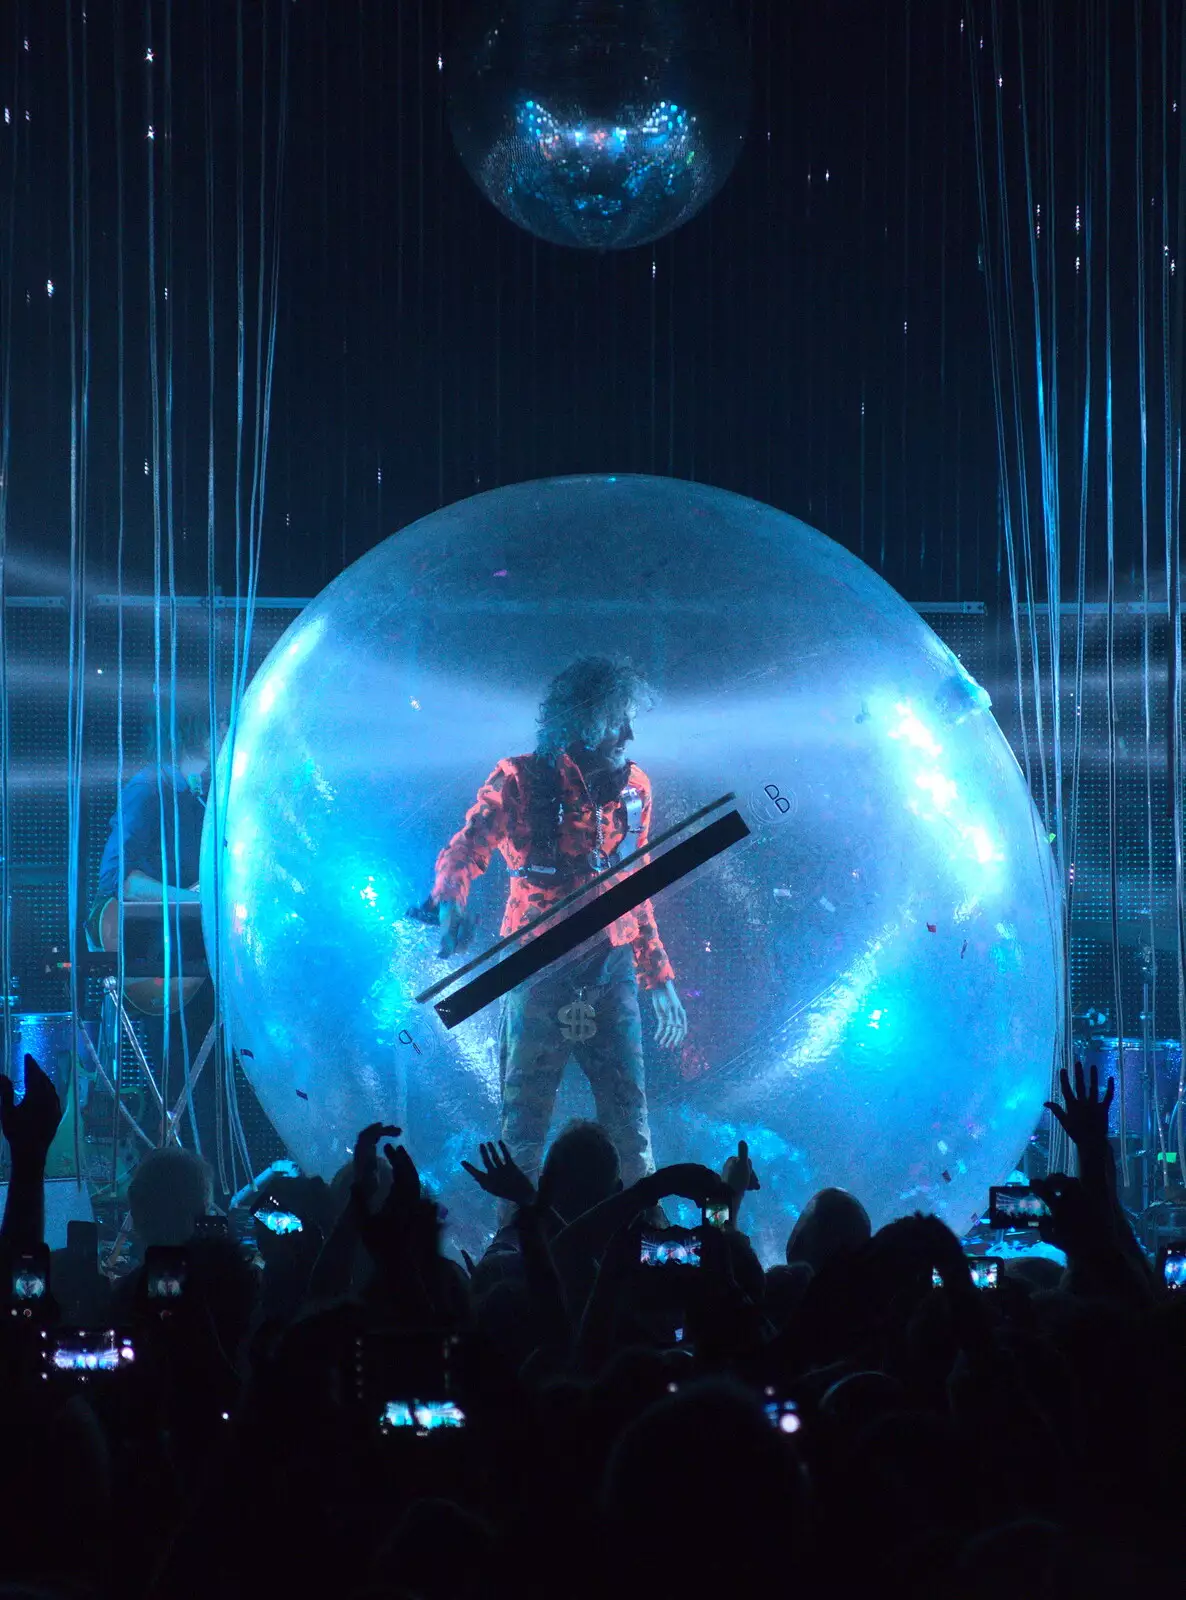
(110, 1073)
(1150, 1120)
(193, 1074)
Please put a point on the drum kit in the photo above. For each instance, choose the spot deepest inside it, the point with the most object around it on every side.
(111, 1115)
(1145, 1121)
(65, 1051)
(1147, 1074)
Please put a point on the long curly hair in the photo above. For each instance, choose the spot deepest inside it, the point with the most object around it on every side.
(587, 701)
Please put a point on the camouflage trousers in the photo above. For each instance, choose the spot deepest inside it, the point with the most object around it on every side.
(589, 1012)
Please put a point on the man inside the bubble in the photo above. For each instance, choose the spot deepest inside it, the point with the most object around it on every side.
(573, 808)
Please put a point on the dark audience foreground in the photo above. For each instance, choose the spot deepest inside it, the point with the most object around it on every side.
(322, 1403)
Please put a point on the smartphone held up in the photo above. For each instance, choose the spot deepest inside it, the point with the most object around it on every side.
(1015, 1205)
(985, 1270)
(166, 1269)
(86, 1353)
(1171, 1266)
(669, 1247)
(28, 1279)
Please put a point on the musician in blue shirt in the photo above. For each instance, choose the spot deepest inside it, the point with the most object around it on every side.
(153, 855)
(147, 870)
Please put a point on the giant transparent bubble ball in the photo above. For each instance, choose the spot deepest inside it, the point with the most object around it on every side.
(599, 124)
(872, 977)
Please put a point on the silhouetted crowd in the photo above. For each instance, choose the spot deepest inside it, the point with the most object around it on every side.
(322, 1403)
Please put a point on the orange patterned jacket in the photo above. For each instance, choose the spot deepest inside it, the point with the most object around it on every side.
(500, 819)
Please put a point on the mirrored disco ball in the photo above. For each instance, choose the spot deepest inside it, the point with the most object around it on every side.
(872, 976)
(599, 123)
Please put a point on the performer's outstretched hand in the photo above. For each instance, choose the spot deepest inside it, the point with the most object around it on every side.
(456, 928)
(503, 1177)
(672, 1019)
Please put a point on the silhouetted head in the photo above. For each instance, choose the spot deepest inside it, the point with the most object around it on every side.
(707, 1451)
(859, 1398)
(580, 1170)
(439, 1550)
(785, 1288)
(509, 1321)
(221, 1292)
(169, 1190)
(180, 736)
(833, 1223)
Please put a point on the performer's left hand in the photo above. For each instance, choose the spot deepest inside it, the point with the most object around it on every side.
(672, 1019)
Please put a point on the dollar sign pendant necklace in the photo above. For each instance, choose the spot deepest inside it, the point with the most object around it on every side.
(577, 1019)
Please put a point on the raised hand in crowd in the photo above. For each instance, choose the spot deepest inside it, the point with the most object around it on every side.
(402, 1197)
(943, 1254)
(580, 1245)
(365, 1159)
(501, 1175)
(684, 1180)
(1075, 1223)
(282, 1168)
(413, 1283)
(30, 1125)
(1083, 1115)
(29, 1128)
(740, 1178)
(361, 1181)
(401, 1234)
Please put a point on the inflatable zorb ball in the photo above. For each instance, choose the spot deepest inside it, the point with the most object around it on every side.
(872, 976)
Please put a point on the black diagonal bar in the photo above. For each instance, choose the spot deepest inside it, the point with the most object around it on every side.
(642, 885)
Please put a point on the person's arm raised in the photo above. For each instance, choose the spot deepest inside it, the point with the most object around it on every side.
(740, 1178)
(584, 1240)
(252, 1190)
(1103, 1259)
(334, 1268)
(29, 1128)
(467, 856)
(594, 1335)
(1083, 1117)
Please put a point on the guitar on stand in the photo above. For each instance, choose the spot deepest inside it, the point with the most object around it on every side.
(139, 927)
